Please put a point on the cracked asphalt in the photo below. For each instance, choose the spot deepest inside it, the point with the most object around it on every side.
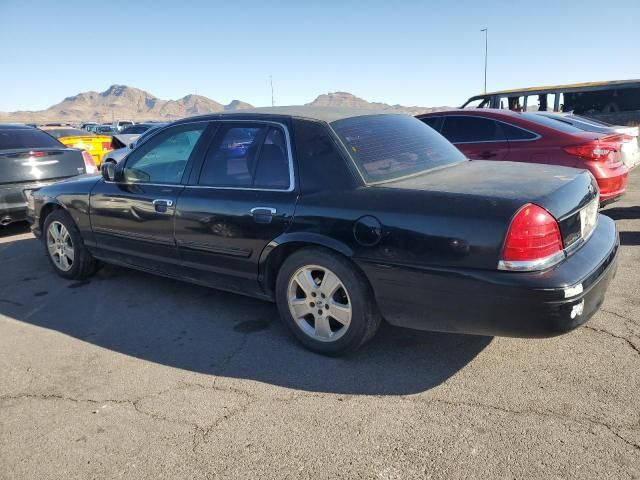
(133, 376)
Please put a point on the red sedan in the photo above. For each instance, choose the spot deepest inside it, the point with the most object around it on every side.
(488, 134)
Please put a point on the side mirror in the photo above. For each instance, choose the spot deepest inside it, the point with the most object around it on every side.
(109, 171)
(132, 145)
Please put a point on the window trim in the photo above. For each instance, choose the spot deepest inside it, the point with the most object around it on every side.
(252, 189)
(537, 135)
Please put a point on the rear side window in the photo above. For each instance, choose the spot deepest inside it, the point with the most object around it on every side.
(551, 123)
(461, 129)
(27, 138)
(388, 147)
(433, 122)
(247, 156)
(514, 133)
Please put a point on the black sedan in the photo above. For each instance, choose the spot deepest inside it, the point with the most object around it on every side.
(29, 159)
(343, 218)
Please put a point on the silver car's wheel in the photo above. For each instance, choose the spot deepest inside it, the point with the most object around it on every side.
(60, 246)
(319, 303)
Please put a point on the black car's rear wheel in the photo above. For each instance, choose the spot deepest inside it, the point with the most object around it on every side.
(326, 302)
(65, 248)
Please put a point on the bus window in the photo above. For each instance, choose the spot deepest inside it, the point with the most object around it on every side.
(541, 103)
(515, 104)
(478, 103)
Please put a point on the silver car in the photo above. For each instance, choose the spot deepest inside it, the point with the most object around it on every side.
(128, 143)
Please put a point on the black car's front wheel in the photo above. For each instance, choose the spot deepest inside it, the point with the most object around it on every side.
(64, 247)
(326, 301)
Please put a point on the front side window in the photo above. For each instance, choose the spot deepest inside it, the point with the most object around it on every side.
(163, 159)
(387, 147)
(247, 156)
(461, 129)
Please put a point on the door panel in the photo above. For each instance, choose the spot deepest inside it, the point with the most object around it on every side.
(128, 225)
(133, 217)
(220, 240)
(240, 199)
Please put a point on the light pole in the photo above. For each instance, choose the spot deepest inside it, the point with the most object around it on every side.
(486, 49)
(271, 82)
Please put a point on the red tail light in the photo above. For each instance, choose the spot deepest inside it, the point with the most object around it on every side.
(107, 146)
(599, 150)
(89, 163)
(37, 154)
(533, 240)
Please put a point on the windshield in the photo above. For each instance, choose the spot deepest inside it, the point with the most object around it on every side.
(26, 138)
(388, 147)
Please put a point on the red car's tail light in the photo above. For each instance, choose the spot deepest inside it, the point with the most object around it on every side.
(599, 150)
(533, 241)
(89, 163)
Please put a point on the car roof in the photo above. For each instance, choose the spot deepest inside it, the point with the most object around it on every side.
(324, 114)
(480, 112)
(15, 126)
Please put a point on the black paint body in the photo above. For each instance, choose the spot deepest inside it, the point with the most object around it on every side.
(429, 245)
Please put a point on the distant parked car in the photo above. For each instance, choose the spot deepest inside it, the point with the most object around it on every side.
(630, 148)
(86, 125)
(119, 125)
(104, 130)
(491, 134)
(343, 218)
(30, 159)
(123, 142)
(96, 145)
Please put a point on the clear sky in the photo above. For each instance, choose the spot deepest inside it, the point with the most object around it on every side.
(425, 53)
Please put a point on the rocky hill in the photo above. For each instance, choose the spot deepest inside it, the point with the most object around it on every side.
(122, 102)
(345, 99)
(128, 103)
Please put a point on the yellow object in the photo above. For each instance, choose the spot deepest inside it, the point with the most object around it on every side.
(96, 145)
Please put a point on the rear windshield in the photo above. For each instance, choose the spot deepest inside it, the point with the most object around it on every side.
(388, 147)
(26, 138)
(67, 132)
(551, 123)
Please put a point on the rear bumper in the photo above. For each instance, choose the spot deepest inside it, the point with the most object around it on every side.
(13, 205)
(612, 182)
(514, 304)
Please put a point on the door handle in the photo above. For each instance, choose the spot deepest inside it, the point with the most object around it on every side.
(162, 204)
(486, 155)
(263, 214)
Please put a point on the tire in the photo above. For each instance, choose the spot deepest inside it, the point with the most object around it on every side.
(325, 322)
(81, 263)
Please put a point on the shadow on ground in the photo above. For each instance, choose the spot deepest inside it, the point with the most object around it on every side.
(630, 238)
(14, 229)
(202, 330)
(622, 213)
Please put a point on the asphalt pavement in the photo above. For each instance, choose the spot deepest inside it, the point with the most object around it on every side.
(133, 376)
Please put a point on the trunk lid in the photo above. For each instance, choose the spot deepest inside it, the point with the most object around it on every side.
(562, 191)
(33, 165)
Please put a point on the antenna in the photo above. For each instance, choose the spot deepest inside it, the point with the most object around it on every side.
(271, 82)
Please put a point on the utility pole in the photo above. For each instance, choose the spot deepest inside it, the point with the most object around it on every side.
(486, 49)
(271, 82)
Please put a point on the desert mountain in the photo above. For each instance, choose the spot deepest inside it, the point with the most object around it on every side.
(122, 102)
(128, 103)
(344, 99)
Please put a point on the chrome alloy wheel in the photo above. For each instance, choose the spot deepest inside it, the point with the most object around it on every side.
(319, 303)
(60, 246)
